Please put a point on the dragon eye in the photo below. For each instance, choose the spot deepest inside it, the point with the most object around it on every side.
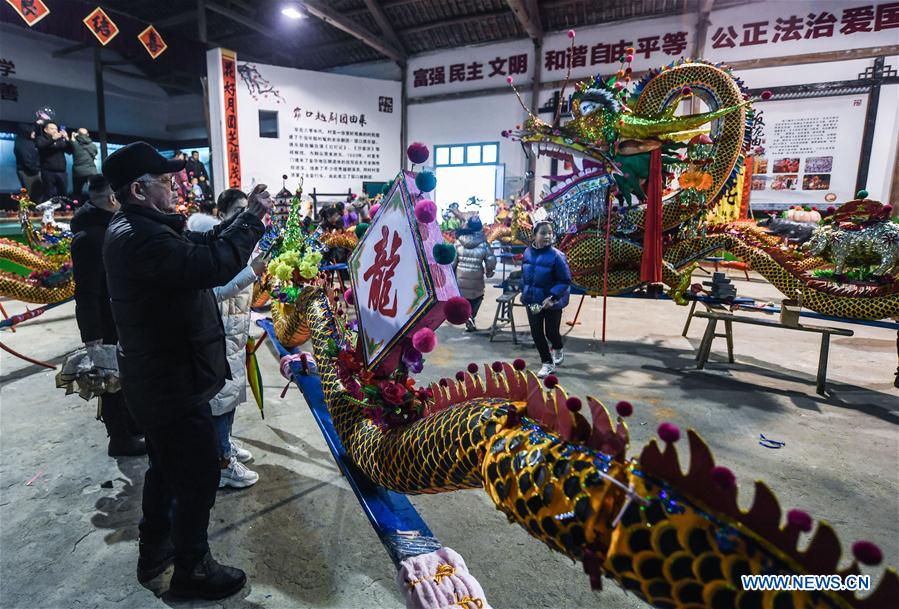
(588, 107)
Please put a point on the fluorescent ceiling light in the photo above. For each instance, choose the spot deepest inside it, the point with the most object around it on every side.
(292, 12)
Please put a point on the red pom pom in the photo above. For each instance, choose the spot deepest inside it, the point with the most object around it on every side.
(723, 478)
(830, 210)
(519, 364)
(766, 95)
(887, 210)
(457, 310)
(443, 382)
(624, 408)
(509, 79)
(573, 404)
(497, 366)
(571, 33)
(350, 299)
(424, 340)
(800, 520)
(460, 376)
(417, 152)
(669, 432)
(473, 368)
(551, 381)
(696, 288)
(426, 211)
(867, 552)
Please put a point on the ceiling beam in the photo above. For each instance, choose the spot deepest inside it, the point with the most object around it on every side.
(384, 24)
(72, 49)
(238, 18)
(343, 23)
(433, 25)
(527, 21)
(176, 19)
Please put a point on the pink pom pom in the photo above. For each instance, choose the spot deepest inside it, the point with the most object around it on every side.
(519, 364)
(624, 408)
(571, 33)
(509, 79)
(766, 95)
(867, 552)
(473, 368)
(629, 58)
(573, 404)
(496, 366)
(800, 520)
(424, 340)
(426, 211)
(723, 478)
(551, 381)
(460, 376)
(417, 152)
(348, 297)
(504, 133)
(374, 209)
(457, 310)
(669, 432)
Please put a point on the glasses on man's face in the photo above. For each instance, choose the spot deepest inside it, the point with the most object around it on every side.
(166, 179)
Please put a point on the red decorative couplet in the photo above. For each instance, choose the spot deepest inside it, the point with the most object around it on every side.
(31, 11)
(101, 26)
(152, 41)
(232, 142)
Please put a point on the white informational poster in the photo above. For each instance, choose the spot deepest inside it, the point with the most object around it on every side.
(335, 131)
(809, 158)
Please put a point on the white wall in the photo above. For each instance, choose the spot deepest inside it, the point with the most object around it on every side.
(66, 84)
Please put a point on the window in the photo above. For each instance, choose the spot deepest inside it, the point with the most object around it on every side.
(461, 155)
(268, 124)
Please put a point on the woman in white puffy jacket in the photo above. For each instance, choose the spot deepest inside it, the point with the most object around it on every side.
(234, 305)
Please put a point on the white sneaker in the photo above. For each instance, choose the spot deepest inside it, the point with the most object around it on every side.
(239, 452)
(546, 370)
(237, 476)
(558, 356)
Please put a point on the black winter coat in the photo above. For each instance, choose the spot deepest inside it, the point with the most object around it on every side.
(52, 152)
(92, 308)
(171, 340)
(27, 157)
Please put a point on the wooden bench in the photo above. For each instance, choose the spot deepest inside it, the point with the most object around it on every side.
(705, 346)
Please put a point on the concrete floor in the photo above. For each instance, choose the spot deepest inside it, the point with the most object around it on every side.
(68, 542)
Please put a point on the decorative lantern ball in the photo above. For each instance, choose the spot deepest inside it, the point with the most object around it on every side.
(418, 153)
(799, 519)
(624, 408)
(350, 299)
(426, 181)
(444, 253)
(460, 376)
(457, 310)
(496, 366)
(519, 364)
(424, 340)
(510, 80)
(571, 33)
(723, 478)
(551, 381)
(867, 552)
(360, 229)
(373, 210)
(669, 432)
(862, 194)
(426, 211)
(473, 368)
(573, 404)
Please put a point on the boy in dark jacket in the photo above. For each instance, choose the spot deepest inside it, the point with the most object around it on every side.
(52, 145)
(92, 309)
(84, 154)
(28, 161)
(172, 357)
(546, 284)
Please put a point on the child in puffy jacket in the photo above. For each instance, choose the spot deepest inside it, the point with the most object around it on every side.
(546, 283)
(474, 260)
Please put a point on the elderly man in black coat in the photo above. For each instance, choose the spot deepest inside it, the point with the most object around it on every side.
(92, 310)
(172, 357)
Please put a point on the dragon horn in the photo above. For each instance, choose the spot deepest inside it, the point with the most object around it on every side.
(638, 127)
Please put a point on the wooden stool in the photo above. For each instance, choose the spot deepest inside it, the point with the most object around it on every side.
(505, 304)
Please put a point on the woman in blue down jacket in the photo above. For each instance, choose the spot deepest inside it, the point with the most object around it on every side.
(546, 283)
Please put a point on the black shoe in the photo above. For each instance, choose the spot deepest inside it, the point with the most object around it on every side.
(208, 580)
(154, 560)
(126, 446)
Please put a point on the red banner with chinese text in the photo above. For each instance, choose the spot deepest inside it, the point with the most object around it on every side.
(232, 142)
